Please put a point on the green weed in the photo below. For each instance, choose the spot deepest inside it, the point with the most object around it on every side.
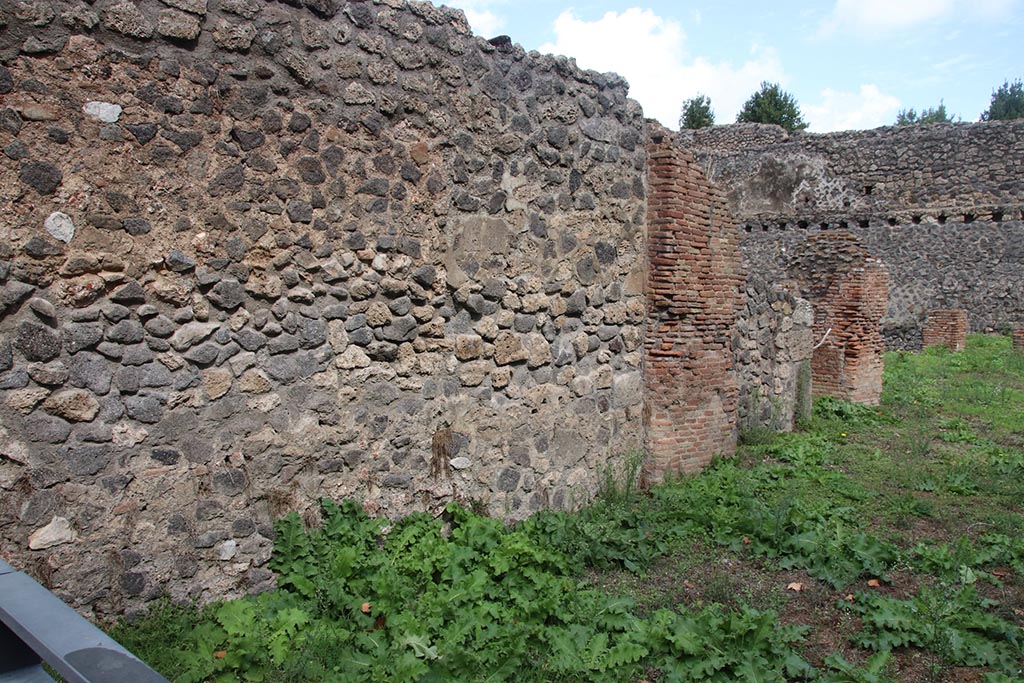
(955, 623)
(928, 489)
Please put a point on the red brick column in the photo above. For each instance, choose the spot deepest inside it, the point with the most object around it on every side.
(849, 290)
(1018, 340)
(946, 328)
(694, 285)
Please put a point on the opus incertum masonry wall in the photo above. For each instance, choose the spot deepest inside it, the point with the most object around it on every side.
(256, 254)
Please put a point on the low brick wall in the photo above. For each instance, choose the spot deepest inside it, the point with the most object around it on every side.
(1018, 340)
(946, 328)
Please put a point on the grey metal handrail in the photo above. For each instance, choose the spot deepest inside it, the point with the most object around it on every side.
(36, 627)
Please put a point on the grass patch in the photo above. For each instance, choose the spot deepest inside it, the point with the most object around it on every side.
(876, 544)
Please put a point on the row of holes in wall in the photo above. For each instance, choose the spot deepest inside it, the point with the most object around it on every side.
(994, 216)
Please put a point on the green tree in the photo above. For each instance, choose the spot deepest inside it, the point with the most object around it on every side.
(1007, 102)
(909, 117)
(697, 113)
(771, 104)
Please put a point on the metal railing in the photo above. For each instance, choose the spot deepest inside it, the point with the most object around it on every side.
(36, 627)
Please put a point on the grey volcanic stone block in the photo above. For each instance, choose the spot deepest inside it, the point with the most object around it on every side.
(126, 332)
(227, 294)
(43, 428)
(86, 460)
(41, 176)
(145, 409)
(37, 342)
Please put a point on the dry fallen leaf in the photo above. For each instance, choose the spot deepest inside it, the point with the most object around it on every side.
(1000, 573)
(746, 541)
(688, 584)
(795, 586)
(220, 654)
(874, 583)
(366, 608)
(850, 598)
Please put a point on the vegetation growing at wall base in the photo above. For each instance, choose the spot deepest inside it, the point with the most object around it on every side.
(876, 545)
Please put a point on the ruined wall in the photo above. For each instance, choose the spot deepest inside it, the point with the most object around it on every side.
(694, 292)
(847, 288)
(939, 204)
(891, 172)
(977, 266)
(255, 254)
(946, 328)
(772, 343)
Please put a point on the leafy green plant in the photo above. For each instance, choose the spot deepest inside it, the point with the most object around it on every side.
(838, 670)
(715, 645)
(157, 636)
(955, 623)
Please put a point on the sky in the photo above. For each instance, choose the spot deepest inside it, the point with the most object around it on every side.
(850, 64)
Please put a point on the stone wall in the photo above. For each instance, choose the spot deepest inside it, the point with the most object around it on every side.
(694, 292)
(256, 254)
(940, 204)
(973, 266)
(892, 172)
(772, 343)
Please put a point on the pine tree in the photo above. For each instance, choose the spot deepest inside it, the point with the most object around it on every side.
(1007, 103)
(771, 104)
(697, 113)
(909, 117)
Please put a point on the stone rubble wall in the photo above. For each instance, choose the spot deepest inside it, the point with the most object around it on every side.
(694, 294)
(940, 204)
(256, 254)
(772, 343)
(885, 172)
(976, 266)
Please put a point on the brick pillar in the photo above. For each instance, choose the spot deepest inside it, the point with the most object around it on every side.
(946, 328)
(694, 285)
(849, 290)
(1018, 340)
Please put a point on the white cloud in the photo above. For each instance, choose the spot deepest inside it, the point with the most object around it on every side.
(484, 22)
(649, 52)
(870, 16)
(867, 108)
(482, 19)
